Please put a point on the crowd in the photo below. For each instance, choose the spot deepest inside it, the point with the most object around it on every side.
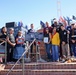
(60, 42)
(15, 46)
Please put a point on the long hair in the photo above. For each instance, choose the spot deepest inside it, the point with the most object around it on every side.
(2, 29)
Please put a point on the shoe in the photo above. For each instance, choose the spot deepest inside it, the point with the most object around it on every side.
(57, 60)
(73, 56)
(8, 62)
(63, 60)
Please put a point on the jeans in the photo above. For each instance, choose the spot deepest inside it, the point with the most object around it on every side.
(48, 49)
(55, 52)
(73, 49)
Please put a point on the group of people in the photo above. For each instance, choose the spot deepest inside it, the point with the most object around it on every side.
(60, 41)
(14, 44)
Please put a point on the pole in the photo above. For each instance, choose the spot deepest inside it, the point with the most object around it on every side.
(23, 66)
(5, 52)
(59, 8)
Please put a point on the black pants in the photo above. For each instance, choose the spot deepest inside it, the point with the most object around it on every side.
(31, 48)
(70, 49)
(60, 51)
(10, 54)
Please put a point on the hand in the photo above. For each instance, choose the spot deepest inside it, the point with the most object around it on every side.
(7, 38)
(13, 44)
(73, 41)
(68, 32)
(48, 43)
(63, 43)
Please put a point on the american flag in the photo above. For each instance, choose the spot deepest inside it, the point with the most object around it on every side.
(74, 17)
(42, 24)
(26, 27)
(62, 20)
(20, 23)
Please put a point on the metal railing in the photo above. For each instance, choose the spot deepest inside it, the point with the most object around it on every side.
(21, 58)
(3, 41)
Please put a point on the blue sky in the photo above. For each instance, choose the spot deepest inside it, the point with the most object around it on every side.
(32, 11)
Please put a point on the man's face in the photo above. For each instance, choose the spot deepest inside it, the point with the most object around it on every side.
(75, 26)
(47, 24)
(72, 26)
(62, 27)
(55, 23)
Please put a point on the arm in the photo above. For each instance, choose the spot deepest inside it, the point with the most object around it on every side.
(12, 44)
(2, 40)
(17, 41)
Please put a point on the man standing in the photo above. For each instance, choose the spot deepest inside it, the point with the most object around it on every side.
(64, 43)
(70, 29)
(47, 26)
(55, 24)
(73, 41)
(31, 30)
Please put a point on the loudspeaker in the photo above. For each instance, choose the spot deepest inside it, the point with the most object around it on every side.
(11, 24)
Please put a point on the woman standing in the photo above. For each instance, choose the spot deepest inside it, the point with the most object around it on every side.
(3, 36)
(55, 45)
(19, 49)
(47, 41)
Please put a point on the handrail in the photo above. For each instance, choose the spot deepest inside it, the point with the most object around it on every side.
(21, 57)
(4, 41)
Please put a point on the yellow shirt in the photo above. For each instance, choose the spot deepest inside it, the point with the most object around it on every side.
(56, 39)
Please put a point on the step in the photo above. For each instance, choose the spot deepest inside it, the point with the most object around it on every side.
(40, 72)
(49, 65)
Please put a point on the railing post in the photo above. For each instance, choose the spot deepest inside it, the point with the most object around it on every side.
(5, 52)
(23, 66)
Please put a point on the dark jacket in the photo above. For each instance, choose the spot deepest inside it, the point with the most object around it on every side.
(63, 36)
(73, 34)
(31, 31)
(57, 27)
